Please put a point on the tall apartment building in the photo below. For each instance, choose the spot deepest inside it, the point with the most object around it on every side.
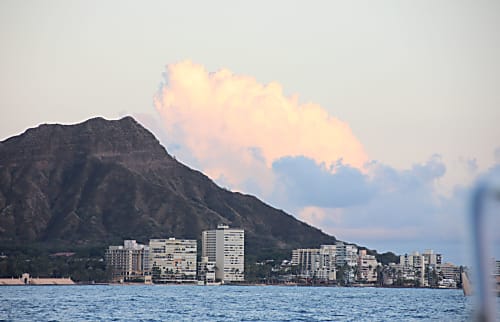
(128, 262)
(173, 260)
(367, 267)
(208, 244)
(346, 254)
(316, 263)
(327, 269)
(307, 261)
(431, 262)
(431, 258)
(226, 247)
(414, 267)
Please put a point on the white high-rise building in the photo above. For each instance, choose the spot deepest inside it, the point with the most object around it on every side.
(432, 258)
(208, 239)
(225, 246)
(346, 254)
(173, 260)
(327, 269)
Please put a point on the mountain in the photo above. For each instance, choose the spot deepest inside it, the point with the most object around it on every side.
(101, 181)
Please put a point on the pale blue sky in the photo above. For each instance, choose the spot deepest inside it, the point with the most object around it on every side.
(411, 78)
(425, 70)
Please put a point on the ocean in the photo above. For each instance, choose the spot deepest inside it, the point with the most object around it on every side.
(229, 303)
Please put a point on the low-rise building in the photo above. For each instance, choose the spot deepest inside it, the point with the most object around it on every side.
(449, 271)
(26, 279)
(206, 271)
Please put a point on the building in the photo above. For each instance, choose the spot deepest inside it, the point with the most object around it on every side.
(226, 247)
(26, 279)
(431, 262)
(413, 268)
(316, 263)
(327, 269)
(392, 274)
(208, 242)
(422, 270)
(367, 267)
(419, 267)
(128, 262)
(431, 258)
(206, 271)
(449, 271)
(323, 263)
(307, 261)
(346, 254)
(496, 274)
(173, 260)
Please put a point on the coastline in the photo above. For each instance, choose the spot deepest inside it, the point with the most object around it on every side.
(232, 285)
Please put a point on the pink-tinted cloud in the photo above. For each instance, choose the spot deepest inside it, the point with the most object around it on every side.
(251, 137)
(316, 215)
(233, 125)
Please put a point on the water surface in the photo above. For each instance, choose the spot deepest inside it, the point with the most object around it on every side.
(229, 303)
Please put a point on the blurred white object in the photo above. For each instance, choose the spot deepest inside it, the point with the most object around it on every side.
(486, 190)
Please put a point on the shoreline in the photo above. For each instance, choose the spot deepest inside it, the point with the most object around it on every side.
(230, 285)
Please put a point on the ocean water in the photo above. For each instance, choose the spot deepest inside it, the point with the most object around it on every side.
(229, 303)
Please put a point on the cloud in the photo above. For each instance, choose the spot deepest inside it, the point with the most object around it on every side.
(407, 213)
(233, 125)
(433, 169)
(497, 155)
(250, 137)
(303, 182)
(379, 204)
(470, 164)
(313, 215)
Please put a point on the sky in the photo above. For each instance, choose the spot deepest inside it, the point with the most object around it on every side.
(369, 120)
